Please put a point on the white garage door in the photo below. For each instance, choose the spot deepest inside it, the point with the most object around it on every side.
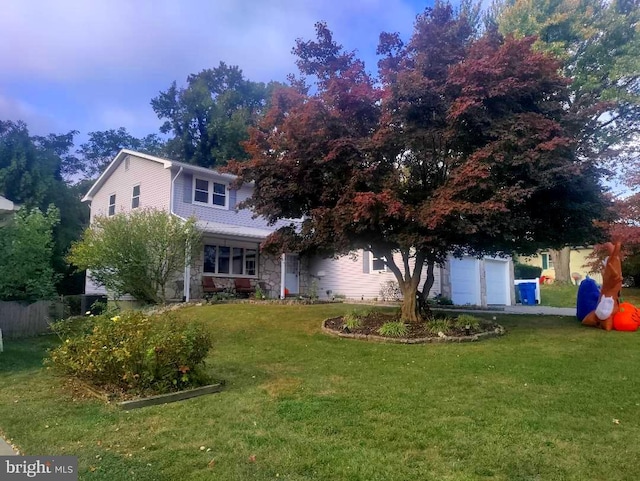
(497, 275)
(465, 281)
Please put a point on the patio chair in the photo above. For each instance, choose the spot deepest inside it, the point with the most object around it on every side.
(243, 286)
(209, 286)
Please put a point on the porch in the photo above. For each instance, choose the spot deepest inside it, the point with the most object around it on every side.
(226, 260)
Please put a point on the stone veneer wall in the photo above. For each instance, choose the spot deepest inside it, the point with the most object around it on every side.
(268, 272)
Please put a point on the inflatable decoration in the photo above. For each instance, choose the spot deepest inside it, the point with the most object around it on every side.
(608, 314)
(627, 317)
(588, 295)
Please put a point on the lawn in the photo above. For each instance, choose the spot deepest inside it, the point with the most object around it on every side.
(540, 403)
(564, 295)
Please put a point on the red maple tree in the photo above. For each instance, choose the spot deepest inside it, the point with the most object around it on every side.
(463, 145)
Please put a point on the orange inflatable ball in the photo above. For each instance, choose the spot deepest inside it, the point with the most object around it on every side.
(626, 319)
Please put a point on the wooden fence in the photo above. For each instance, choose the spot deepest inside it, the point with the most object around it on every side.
(25, 320)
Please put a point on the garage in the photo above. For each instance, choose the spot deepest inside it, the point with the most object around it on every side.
(497, 278)
(465, 281)
(478, 282)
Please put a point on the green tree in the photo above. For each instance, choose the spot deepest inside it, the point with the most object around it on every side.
(208, 119)
(598, 43)
(33, 170)
(103, 146)
(137, 253)
(26, 244)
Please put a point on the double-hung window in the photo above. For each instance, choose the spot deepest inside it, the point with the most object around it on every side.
(210, 193)
(135, 197)
(377, 264)
(230, 260)
(112, 204)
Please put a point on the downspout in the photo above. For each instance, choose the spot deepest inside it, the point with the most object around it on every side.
(283, 274)
(187, 265)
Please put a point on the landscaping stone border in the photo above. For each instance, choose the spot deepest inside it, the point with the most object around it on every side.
(498, 331)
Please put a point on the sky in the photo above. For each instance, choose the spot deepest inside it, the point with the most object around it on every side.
(91, 65)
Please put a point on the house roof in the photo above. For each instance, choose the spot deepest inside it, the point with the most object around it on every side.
(233, 230)
(7, 206)
(165, 162)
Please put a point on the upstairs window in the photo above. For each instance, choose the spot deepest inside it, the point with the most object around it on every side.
(135, 197)
(210, 193)
(112, 204)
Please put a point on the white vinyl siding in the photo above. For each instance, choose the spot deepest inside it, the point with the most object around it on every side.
(157, 187)
(348, 276)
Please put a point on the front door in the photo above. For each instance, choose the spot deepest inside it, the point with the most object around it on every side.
(292, 274)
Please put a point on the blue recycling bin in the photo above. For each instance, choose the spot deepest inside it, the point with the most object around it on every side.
(527, 293)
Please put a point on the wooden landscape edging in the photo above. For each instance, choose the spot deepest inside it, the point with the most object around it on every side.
(171, 397)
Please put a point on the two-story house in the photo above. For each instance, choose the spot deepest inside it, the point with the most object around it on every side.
(232, 238)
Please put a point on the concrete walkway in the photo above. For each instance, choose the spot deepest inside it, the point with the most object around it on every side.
(518, 309)
(6, 449)
(542, 310)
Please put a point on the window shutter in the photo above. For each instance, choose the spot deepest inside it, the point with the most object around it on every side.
(232, 198)
(545, 261)
(188, 189)
(365, 262)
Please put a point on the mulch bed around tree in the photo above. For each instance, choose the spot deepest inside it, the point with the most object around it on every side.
(418, 333)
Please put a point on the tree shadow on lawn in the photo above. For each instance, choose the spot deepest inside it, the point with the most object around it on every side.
(25, 354)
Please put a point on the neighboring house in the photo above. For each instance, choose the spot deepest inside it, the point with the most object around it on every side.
(232, 237)
(7, 209)
(578, 263)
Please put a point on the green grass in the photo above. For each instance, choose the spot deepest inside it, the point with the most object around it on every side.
(564, 295)
(536, 404)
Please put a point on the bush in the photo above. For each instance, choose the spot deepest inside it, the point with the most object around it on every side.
(467, 321)
(352, 321)
(443, 325)
(440, 300)
(133, 352)
(393, 329)
(354, 318)
(525, 271)
(390, 291)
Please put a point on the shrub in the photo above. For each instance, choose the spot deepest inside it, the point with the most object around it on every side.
(389, 291)
(440, 300)
(352, 321)
(393, 329)
(259, 294)
(354, 318)
(435, 326)
(467, 321)
(525, 271)
(133, 352)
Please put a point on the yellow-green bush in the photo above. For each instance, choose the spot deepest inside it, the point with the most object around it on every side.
(135, 352)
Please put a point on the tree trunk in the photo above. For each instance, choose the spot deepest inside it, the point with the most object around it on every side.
(408, 281)
(560, 259)
(428, 282)
(409, 310)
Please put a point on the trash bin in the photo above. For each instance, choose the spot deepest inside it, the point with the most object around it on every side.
(527, 293)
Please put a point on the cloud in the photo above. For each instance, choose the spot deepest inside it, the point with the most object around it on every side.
(92, 65)
(14, 109)
(70, 40)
